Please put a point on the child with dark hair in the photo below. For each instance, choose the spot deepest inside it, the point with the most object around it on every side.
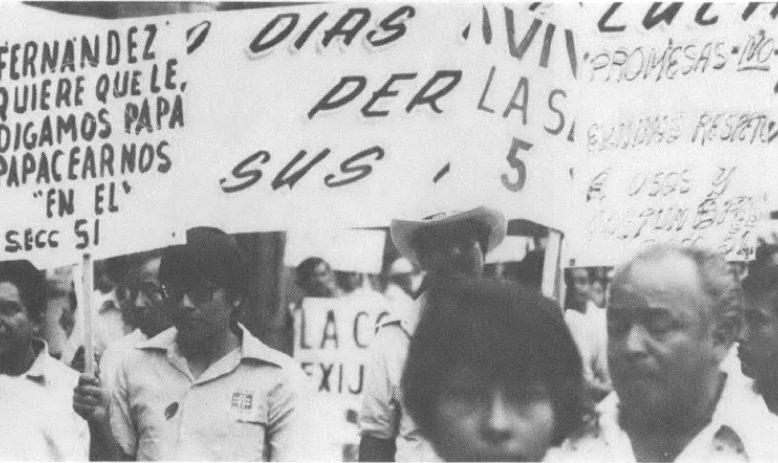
(492, 373)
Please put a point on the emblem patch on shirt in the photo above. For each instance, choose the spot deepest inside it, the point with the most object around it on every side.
(242, 403)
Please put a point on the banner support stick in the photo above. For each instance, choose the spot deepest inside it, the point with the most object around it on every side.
(87, 272)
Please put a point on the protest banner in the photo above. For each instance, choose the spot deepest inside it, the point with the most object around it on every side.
(678, 114)
(332, 339)
(351, 115)
(90, 114)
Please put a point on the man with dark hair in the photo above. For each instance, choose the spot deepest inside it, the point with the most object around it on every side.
(35, 389)
(758, 350)
(445, 246)
(207, 388)
(579, 285)
(486, 381)
(674, 314)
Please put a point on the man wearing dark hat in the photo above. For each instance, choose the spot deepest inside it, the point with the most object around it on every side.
(207, 389)
(445, 246)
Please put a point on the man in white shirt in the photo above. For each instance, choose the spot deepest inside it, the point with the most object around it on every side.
(673, 317)
(151, 316)
(38, 423)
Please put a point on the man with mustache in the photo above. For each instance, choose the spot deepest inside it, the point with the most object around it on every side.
(673, 316)
(758, 350)
(445, 246)
(207, 389)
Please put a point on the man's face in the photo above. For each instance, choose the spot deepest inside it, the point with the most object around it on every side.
(16, 328)
(321, 282)
(151, 314)
(598, 294)
(661, 348)
(478, 421)
(580, 286)
(758, 349)
(451, 252)
(203, 312)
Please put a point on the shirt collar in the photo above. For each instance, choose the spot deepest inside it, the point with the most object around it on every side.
(255, 349)
(38, 370)
(411, 321)
(739, 409)
(251, 347)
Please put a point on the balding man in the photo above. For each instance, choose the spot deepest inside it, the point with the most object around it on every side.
(673, 316)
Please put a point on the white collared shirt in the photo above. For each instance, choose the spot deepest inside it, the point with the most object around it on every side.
(741, 429)
(251, 405)
(112, 357)
(383, 414)
(590, 333)
(37, 420)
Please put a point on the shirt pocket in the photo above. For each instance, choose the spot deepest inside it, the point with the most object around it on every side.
(245, 435)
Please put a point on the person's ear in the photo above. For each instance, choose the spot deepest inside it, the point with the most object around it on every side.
(37, 326)
(725, 332)
(237, 302)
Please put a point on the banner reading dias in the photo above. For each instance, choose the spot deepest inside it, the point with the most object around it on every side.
(90, 114)
(678, 113)
(350, 115)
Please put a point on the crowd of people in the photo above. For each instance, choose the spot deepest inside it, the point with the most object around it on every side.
(673, 356)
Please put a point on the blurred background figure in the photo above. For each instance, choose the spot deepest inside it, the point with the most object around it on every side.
(403, 282)
(315, 277)
(599, 291)
(487, 382)
(589, 326)
(110, 300)
(349, 282)
(579, 289)
(145, 310)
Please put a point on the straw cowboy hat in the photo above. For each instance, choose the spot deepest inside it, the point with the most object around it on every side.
(402, 231)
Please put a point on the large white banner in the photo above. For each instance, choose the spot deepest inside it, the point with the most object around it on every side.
(347, 115)
(678, 121)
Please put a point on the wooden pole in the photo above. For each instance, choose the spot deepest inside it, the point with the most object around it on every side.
(549, 285)
(87, 272)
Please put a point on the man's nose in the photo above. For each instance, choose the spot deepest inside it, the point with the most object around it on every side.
(187, 302)
(745, 333)
(138, 300)
(454, 250)
(496, 427)
(635, 340)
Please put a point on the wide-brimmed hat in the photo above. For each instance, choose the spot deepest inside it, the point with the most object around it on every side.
(402, 231)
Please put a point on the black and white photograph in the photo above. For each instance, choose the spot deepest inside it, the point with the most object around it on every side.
(388, 231)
